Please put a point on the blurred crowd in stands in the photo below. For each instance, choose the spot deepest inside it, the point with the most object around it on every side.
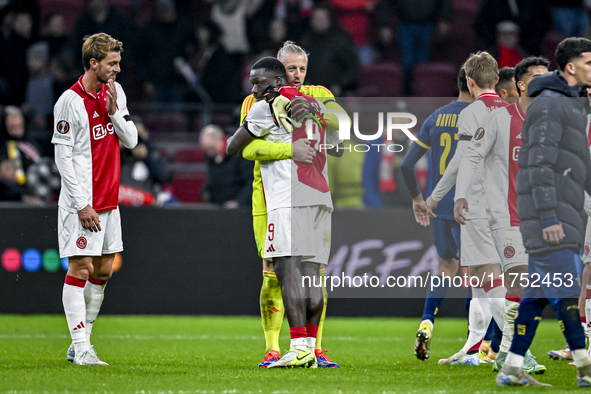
(186, 63)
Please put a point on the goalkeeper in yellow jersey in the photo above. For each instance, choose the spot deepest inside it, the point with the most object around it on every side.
(295, 60)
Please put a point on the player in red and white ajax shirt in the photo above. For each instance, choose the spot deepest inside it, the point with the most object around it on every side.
(298, 203)
(477, 250)
(495, 147)
(474, 252)
(90, 119)
(288, 184)
(496, 143)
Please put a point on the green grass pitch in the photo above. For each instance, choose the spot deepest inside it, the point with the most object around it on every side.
(166, 354)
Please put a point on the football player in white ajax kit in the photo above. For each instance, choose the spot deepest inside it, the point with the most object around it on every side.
(299, 205)
(496, 144)
(90, 119)
(477, 249)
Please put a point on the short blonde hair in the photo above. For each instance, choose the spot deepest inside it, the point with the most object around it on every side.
(290, 47)
(97, 46)
(483, 69)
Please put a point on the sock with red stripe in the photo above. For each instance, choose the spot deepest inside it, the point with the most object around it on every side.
(512, 302)
(479, 318)
(312, 332)
(298, 338)
(75, 310)
(475, 349)
(495, 291)
(94, 293)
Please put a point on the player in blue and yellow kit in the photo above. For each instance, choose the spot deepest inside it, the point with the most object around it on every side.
(438, 134)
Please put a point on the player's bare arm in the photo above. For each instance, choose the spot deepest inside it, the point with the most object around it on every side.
(422, 212)
(89, 219)
(238, 141)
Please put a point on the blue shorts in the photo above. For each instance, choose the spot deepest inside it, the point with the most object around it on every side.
(447, 238)
(552, 276)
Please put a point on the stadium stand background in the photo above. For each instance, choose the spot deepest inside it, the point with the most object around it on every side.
(186, 64)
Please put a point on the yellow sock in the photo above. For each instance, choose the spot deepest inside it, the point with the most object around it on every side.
(271, 310)
(321, 324)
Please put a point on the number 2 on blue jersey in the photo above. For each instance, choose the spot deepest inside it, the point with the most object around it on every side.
(445, 140)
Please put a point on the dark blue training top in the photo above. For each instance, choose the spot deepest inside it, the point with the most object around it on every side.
(439, 133)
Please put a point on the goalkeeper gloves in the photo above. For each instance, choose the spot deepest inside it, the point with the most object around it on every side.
(279, 108)
(301, 109)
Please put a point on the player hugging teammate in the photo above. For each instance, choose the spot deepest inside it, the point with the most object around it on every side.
(298, 200)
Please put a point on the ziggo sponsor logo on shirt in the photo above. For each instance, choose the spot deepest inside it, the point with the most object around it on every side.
(100, 131)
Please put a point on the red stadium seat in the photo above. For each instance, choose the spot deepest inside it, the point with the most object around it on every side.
(166, 121)
(224, 120)
(187, 186)
(474, 4)
(190, 155)
(70, 9)
(549, 44)
(123, 6)
(435, 80)
(163, 152)
(382, 80)
(143, 12)
(460, 41)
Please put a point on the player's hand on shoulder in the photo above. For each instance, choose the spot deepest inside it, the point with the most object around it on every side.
(460, 206)
(302, 152)
(300, 109)
(111, 97)
(89, 219)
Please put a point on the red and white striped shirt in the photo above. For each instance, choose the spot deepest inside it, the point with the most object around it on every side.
(468, 127)
(87, 147)
(497, 144)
